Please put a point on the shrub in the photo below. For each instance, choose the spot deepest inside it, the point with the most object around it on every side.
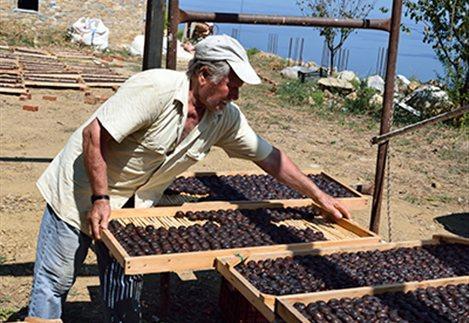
(297, 93)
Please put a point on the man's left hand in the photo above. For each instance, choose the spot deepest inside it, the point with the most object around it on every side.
(333, 207)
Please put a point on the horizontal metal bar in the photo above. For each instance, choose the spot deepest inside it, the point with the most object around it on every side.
(26, 159)
(378, 24)
(420, 124)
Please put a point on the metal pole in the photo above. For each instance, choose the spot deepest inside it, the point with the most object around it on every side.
(154, 30)
(301, 50)
(386, 114)
(379, 24)
(421, 124)
(171, 52)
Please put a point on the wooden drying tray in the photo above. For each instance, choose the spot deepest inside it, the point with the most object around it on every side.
(265, 303)
(15, 91)
(285, 309)
(358, 202)
(51, 84)
(344, 232)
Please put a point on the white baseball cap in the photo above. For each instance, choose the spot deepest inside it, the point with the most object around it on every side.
(223, 47)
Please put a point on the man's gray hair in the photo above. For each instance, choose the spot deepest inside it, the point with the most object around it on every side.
(217, 69)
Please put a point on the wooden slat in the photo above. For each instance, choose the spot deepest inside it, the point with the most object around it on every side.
(204, 260)
(55, 84)
(285, 309)
(186, 275)
(114, 247)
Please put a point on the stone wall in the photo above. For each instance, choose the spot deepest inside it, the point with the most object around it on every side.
(124, 18)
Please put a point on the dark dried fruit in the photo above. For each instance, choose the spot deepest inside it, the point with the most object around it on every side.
(421, 305)
(223, 229)
(303, 274)
(249, 187)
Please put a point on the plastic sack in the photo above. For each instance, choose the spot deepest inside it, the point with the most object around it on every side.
(90, 31)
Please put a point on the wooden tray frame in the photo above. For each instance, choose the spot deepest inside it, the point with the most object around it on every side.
(353, 203)
(203, 260)
(265, 303)
(285, 309)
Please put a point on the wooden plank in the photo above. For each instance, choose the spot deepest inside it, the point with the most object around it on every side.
(80, 86)
(13, 91)
(204, 260)
(285, 309)
(259, 171)
(186, 275)
(114, 247)
(103, 84)
(247, 290)
(450, 239)
(216, 205)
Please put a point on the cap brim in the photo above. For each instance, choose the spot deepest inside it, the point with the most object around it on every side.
(245, 72)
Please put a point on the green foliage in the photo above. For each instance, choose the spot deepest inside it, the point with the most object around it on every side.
(361, 105)
(447, 30)
(317, 98)
(297, 93)
(335, 37)
(252, 51)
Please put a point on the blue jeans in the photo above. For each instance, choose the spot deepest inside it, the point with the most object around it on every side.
(61, 250)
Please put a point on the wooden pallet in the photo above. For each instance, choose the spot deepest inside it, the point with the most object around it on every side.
(358, 202)
(265, 303)
(285, 309)
(344, 232)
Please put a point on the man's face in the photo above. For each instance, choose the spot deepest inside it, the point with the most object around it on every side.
(215, 96)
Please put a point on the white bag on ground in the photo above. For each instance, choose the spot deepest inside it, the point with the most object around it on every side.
(136, 48)
(90, 31)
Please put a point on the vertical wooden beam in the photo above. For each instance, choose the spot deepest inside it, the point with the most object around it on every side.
(386, 115)
(154, 29)
(164, 294)
(171, 53)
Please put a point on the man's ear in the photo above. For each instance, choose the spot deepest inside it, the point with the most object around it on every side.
(203, 75)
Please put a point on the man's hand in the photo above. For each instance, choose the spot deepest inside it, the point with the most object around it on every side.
(98, 217)
(332, 207)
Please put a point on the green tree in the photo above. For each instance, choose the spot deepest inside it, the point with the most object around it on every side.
(342, 9)
(446, 28)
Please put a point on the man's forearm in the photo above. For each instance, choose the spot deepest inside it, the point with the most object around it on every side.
(93, 155)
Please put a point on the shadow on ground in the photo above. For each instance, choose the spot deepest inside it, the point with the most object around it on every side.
(457, 223)
(191, 301)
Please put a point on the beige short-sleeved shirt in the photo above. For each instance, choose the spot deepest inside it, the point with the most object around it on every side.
(146, 118)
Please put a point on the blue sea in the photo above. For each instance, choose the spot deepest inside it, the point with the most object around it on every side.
(415, 60)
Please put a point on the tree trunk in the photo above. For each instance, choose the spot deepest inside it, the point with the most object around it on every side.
(331, 62)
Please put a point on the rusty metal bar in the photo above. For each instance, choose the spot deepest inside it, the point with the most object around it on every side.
(421, 124)
(379, 24)
(154, 30)
(386, 115)
(171, 48)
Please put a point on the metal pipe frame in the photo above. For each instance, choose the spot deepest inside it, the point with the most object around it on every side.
(386, 114)
(391, 25)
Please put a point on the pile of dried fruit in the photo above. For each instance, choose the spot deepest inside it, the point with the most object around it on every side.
(433, 304)
(249, 187)
(301, 274)
(223, 229)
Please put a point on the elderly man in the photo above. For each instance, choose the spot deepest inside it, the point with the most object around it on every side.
(158, 124)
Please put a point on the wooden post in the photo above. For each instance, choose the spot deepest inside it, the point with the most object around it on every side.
(164, 293)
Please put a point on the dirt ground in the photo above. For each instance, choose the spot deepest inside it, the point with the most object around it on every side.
(429, 187)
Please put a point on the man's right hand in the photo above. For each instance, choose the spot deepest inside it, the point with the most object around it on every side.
(98, 217)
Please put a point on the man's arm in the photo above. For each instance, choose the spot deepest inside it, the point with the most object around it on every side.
(284, 170)
(95, 143)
